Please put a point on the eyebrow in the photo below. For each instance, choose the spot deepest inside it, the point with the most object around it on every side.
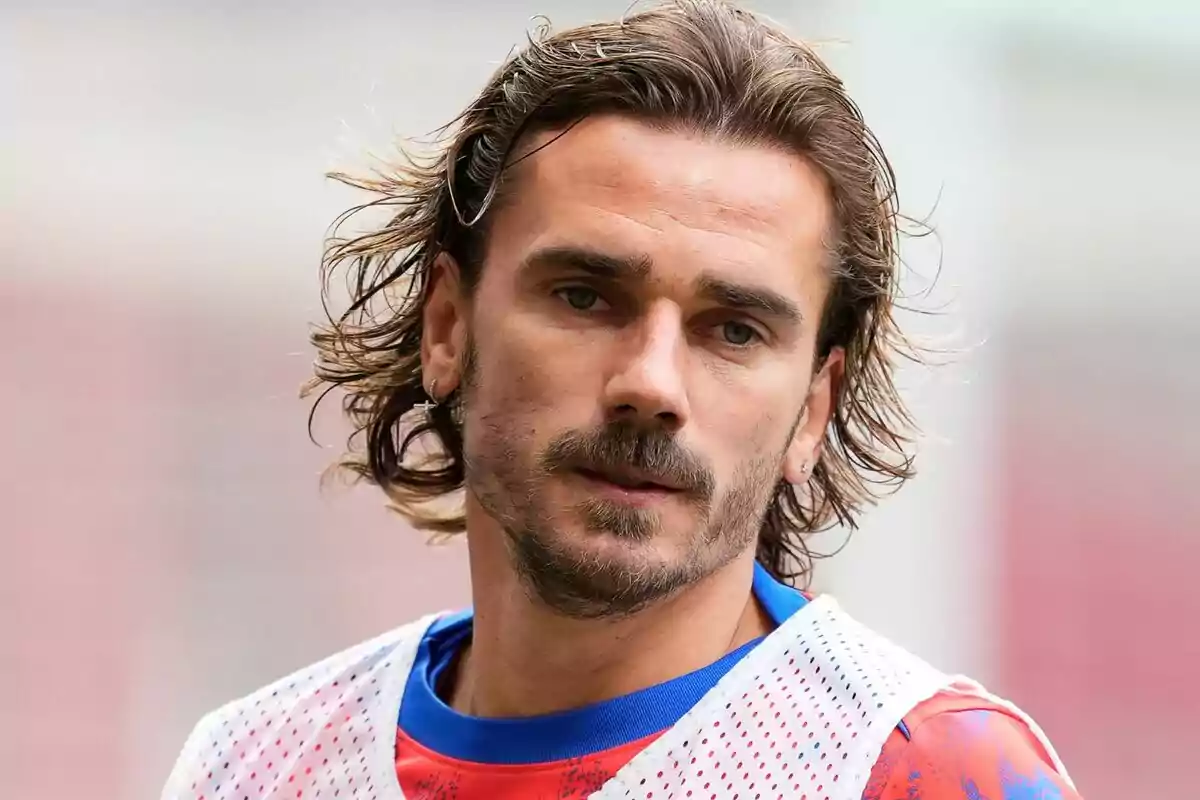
(593, 262)
(750, 298)
(636, 269)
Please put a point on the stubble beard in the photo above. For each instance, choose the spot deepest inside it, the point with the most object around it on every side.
(563, 575)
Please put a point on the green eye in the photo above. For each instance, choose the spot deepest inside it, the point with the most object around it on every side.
(580, 298)
(738, 334)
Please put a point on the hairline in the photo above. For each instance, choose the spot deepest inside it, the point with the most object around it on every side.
(528, 146)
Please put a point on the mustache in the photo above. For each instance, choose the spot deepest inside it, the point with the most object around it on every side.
(621, 445)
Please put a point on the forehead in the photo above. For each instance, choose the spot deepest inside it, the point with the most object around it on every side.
(689, 202)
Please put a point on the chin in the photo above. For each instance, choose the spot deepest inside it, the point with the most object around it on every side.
(632, 553)
(584, 572)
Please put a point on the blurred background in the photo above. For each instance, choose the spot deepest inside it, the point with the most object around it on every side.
(165, 546)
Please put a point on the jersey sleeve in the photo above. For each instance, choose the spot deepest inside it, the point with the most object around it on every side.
(972, 754)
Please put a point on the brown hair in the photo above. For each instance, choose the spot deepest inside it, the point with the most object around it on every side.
(702, 65)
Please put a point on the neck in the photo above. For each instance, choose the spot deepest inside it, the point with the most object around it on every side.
(525, 659)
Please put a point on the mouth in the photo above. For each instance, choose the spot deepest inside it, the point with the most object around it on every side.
(629, 484)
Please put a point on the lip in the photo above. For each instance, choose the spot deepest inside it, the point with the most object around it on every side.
(633, 495)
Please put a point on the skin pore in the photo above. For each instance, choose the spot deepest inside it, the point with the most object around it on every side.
(637, 371)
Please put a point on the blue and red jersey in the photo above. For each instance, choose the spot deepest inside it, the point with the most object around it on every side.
(951, 747)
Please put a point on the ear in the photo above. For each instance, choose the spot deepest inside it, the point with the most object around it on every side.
(808, 440)
(444, 328)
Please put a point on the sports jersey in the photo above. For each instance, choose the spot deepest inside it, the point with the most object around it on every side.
(949, 746)
(821, 708)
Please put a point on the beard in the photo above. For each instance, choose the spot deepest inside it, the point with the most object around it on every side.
(584, 585)
(514, 488)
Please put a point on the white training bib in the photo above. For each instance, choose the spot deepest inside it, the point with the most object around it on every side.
(804, 715)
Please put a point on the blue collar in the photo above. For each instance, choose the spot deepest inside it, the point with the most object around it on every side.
(568, 734)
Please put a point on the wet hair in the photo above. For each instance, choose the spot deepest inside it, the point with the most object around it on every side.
(701, 66)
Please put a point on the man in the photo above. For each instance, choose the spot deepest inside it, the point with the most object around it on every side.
(640, 309)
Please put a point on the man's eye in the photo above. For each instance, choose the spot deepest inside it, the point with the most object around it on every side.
(581, 298)
(738, 334)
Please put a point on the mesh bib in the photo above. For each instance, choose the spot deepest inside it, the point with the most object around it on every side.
(804, 716)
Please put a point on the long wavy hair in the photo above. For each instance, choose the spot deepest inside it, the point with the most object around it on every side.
(697, 65)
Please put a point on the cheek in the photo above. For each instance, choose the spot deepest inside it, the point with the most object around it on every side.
(752, 418)
(530, 374)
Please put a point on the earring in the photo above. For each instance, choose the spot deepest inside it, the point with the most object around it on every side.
(806, 470)
(428, 405)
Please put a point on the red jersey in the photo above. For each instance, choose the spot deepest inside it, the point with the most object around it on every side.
(949, 747)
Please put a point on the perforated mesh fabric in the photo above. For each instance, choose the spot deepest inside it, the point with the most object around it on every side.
(804, 716)
(328, 731)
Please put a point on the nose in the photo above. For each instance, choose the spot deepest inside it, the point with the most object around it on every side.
(647, 385)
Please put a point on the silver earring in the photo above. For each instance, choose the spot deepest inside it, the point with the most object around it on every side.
(806, 471)
(431, 403)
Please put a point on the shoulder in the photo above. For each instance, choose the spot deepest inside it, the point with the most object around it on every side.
(963, 747)
(276, 722)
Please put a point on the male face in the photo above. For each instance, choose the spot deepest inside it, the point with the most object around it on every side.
(639, 357)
